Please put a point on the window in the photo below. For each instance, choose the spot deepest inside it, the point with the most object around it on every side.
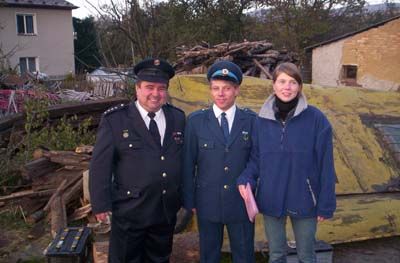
(349, 75)
(26, 24)
(27, 64)
(350, 72)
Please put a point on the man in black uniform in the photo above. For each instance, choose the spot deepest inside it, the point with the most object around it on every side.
(135, 171)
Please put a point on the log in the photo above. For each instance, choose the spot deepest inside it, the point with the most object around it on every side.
(54, 179)
(38, 153)
(81, 212)
(38, 168)
(26, 193)
(262, 68)
(58, 192)
(86, 193)
(69, 158)
(84, 149)
(73, 192)
(58, 215)
(35, 217)
(31, 205)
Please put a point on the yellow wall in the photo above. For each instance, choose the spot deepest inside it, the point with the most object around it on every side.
(376, 52)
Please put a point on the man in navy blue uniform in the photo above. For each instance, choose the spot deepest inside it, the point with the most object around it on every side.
(216, 150)
(135, 172)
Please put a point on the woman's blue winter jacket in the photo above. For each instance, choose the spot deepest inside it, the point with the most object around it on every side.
(291, 164)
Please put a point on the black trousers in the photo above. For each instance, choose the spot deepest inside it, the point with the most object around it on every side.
(130, 244)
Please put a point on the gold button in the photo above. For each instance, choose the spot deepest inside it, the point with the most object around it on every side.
(205, 145)
(130, 145)
(226, 168)
(164, 175)
(226, 186)
(162, 158)
(128, 192)
(164, 191)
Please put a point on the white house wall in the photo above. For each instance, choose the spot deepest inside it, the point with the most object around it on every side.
(326, 64)
(53, 44)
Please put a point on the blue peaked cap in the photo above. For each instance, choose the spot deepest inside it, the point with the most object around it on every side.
(225, 70)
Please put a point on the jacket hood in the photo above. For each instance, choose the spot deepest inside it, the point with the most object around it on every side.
(267, 111)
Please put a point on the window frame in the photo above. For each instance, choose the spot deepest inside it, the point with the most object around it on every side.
(26, 62)
(34, 24)
(344, 76)
(346, 69)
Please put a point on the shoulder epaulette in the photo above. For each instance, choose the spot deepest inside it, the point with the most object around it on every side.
(174, 107)
(249, 111)
(198, 112)
(115, 108)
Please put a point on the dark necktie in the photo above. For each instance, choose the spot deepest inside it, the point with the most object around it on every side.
(225, 126)
(154, 129)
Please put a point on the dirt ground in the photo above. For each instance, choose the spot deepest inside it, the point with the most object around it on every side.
(28, 246)
(384, 250)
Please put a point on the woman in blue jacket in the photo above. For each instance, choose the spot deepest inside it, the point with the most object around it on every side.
(291, 164)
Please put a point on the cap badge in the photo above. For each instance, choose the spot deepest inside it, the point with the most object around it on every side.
(125, 133)
(225, 71)
(156, 62)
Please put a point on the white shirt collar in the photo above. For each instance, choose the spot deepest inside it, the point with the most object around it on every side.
(144, 112)
(230, 114)
(159, 118)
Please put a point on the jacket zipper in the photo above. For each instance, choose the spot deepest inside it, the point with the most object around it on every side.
(312, 192)
(283, 133)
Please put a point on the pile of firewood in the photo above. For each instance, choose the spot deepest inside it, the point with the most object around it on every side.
(57, 188)
(257, 59)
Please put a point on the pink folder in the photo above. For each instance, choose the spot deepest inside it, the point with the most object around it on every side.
(250, 202)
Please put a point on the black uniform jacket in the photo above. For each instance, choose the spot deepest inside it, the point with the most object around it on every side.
(129, 174)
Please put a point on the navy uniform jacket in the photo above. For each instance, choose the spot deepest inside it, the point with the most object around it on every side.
(129, 174)
(211, 167)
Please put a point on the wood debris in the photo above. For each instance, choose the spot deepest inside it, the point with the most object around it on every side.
(56, 188)
(257, 58)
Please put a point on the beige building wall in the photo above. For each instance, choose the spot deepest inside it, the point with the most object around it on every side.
(53, 43)
(376, 52)
(326, 64)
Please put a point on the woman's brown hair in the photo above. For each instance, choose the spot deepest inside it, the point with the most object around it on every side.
(290, 69)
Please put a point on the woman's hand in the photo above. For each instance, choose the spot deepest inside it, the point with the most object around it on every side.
(242, 191)
(320, 218)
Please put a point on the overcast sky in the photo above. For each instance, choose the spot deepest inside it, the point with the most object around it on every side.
(84, 9)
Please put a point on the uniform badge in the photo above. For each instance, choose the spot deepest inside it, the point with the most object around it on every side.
(125, 133)
(225, 71)
(156, 62)
(178, 137)
(245, 135)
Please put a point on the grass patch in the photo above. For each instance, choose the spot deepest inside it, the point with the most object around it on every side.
(11, 219)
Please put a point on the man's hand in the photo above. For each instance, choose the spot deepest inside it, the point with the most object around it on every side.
(320, 218)
(103, 218)
(242, 191)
